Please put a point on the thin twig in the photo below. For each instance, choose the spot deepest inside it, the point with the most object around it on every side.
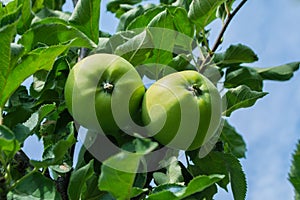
(227, 22)
(221, 34)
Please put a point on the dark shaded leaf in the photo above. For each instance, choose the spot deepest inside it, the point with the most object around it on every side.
(26, 17)
(17, 52)
(78, 181)
(54, 154)
(222, 163)
(34, 186)
(236, 54)
(236, 76)
(8, 143)
(11, 17)
(234, 142)
(54, 4)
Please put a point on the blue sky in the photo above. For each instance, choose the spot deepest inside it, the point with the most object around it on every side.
(272, 127)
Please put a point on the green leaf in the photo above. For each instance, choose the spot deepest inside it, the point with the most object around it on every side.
(173, 174)
(240, 97)
(37, 5)
(12, 77)
(140, 146)
(236, 54)
(200, 183)
(112, 179)
(234, 142)
(54, 4)
(236, 76)
(86, 17)
(109, 45)
(8, 143)
(164, 194)
(144, 19)
(54, 154)
(181, 62)
(278, 73)
(163, 20)
(237, 177)
(202, 12)
(131, 15)
(167, 1)
(26, 17)
(222, 163)
(6, 35)
(177, 191)
(78, 180)
(11, 17)
(34, 186)
(18, 108)
(137, 191)
(182, 22)
(92, 192)
(54, 34)
(294, 175)
(136, 49)
(114, 5)
(17, 52)
(49, 13)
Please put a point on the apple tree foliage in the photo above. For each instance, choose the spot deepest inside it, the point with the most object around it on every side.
(39, 39)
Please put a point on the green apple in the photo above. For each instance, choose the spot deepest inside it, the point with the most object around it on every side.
(104, 92)
(182, 110)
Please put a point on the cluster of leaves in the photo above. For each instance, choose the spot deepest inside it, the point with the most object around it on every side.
(38, 39)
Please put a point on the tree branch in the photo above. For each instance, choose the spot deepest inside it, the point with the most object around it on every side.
(221, 34)
(225, 26)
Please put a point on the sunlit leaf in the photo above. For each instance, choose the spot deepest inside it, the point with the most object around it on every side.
(112, 179)
(241, 97)
(278, 73)
(78, 180)
(202, 12)
(12, 77)
(86, 17)
(294, 175)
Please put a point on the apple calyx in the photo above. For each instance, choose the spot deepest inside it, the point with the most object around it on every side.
(108, 87)
(195, 89)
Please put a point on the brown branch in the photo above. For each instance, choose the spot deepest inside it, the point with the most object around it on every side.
(225, 26)
(221, 34)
